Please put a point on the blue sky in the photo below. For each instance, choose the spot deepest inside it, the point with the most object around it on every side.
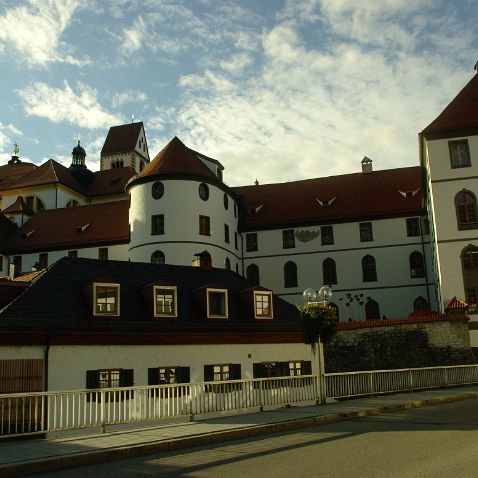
(276, 90)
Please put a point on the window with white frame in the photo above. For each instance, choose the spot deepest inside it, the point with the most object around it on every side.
(165, 301)
(106, 299)
(217, 306)
(262, 305)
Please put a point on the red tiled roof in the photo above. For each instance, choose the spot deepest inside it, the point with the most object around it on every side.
(421, 318)
(359, 195)
(18, 206)
(96, 224)
(122, 138)
(11, 173)
(456, 303)
(176, 158)
(461, 114)
(27, 276)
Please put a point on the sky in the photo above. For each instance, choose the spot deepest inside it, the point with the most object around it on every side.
(276, 90)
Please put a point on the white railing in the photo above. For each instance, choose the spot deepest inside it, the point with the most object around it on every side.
(353, 384)
(43, 412)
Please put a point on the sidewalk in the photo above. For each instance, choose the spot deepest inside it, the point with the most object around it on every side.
(22, 458)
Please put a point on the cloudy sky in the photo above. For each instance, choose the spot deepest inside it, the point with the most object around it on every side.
(276, 90)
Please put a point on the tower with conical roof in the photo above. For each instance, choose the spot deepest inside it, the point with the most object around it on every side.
(449, 156)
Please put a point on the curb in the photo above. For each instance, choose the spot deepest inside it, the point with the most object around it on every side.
(131, 451)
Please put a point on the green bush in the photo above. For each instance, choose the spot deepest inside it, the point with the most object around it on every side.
(318, 320)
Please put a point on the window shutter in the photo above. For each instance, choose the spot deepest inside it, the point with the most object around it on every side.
(208, 373)
(235, 371)
(153, 376)
(184, 375)
(306, 367)
(127, 377)
(284, 369)
(257, 370)
(92, 379)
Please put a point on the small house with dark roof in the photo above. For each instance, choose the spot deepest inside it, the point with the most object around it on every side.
(82, 316)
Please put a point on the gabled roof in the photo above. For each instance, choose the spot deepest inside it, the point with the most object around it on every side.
(53, 229)
(459, 117)
(18, 206)
(456, 303)
(11, 173)
(351, 197)
(175, 159)
(122, 138)
(56, 301)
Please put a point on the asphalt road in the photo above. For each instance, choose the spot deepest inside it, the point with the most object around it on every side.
(436, 441)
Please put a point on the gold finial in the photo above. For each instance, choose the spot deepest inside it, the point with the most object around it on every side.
(16, 149)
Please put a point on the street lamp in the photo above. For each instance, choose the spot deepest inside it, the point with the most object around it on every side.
(310, 297)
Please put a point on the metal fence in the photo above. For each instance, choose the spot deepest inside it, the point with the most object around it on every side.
(43, 412)
(353, 384)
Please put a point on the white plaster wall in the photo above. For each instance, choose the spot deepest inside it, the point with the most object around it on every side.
(181, 207)
(47, 195)
(117, 252)
(22, 352)
(68, 364)
(394, 289)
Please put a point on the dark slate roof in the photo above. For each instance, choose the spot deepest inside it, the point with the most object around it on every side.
(176, 159)
(122, 138)
(352, 197)
(459, 117)
(53, 229)
(55, 301)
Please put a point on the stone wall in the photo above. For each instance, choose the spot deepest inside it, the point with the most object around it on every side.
(419, 341)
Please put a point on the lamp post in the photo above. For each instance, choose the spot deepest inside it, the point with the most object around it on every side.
(310, 297)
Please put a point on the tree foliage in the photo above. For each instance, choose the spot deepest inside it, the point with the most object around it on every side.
(318, 320)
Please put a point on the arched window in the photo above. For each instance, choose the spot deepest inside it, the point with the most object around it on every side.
(469, 264)
(329, 271)
(157, 257)
(465, 204)
(227, 263)
(372, 310)
(417, 264)
(420, 303)
(290, 274)
(369, 269)
(72, 203)
(252, 274)
(34, 203)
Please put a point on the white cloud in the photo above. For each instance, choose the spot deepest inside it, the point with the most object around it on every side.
(128, 96)
(64, 105)
(236, 63)
(34, 31)
(9, 134)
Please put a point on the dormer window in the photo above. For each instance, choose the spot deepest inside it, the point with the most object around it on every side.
(326, 202)
(409, 194)
(217, 304)
(262, 305)
(165, 301)
(106, 299)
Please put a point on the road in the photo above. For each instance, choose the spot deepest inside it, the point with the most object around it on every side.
(437, 441)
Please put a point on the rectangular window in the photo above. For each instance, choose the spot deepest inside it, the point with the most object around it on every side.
(327, 235)
(288, 239)
(106, 299)
(251, 242)
(235, 240)
(103, 253)
(413, 227)
(110, 378)
(263, 305)
(217, 306)
(366, 233)
(157, 224)
(226, 233)
(168, 375)
(43, 260)
(204, 226)
(73, 254)
(17, 264)
(165, 301)
(221, 373)
(459, 154)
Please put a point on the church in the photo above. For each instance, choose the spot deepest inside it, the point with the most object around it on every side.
(387, 242)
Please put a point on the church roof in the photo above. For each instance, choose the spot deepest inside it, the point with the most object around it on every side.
(176, 159)
(122, 138)
(459, 117)
(348, 197)
(84, 226)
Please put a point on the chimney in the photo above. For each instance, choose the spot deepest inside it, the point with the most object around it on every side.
(203, 261)
(367, 165)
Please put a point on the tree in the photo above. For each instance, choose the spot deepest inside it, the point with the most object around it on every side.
(318, 321)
